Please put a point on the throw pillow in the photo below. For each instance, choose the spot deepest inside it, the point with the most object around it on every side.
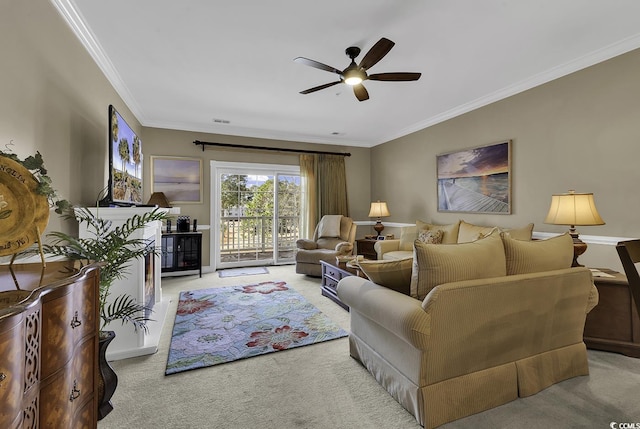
(523, 233)
(437, 264)
(450, 232)
(394, 275)
(469, 232)
(329, 226)
(431, 236)
(535, 256)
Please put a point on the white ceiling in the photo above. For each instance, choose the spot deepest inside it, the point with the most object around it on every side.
(185, 64)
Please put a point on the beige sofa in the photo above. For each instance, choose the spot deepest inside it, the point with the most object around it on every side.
(458, 232)
(473, 344)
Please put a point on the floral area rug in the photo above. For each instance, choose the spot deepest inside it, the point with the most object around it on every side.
(220, 325)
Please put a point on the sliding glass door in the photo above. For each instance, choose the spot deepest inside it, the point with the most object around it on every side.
(256, 210)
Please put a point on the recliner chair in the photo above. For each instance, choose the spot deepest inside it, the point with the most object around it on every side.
(328, 242)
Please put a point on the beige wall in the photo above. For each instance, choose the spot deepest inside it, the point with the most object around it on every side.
(54, 99)
(163, 142)
(579, 132)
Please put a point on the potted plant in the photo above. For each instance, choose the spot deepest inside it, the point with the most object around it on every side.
(115, 248)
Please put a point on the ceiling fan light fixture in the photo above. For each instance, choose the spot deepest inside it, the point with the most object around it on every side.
(353, 80)
(353, 77)
(355, 74)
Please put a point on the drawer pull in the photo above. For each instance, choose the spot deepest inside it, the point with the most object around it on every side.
(3, 377)
(75, 393)
(75, 322)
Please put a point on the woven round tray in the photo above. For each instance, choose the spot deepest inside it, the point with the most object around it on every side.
(23, 212)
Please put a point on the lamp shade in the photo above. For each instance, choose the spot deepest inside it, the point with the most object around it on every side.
(159, 199)
(573, 209)
(379, 209)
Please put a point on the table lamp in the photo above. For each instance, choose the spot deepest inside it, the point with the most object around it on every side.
(574, 209)
(378, 210)
(159, 199)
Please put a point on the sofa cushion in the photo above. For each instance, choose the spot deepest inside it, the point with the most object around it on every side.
(431, 236)
(408, 235)
(450, 231)
(397, 254)
(469, 232)
(444, 263)
(395, 274)
(523, 233)
(535, 256)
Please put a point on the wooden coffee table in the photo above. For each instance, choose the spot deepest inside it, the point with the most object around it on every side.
(331, 275)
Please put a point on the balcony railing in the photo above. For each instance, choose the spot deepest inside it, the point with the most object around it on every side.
(252, 237)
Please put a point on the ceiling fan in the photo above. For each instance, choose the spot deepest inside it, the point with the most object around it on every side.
(355, 74)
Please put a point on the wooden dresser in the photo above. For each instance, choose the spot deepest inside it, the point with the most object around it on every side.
(49, 325)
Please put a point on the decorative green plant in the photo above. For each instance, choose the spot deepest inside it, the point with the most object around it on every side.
(115, 248)
(35, 165)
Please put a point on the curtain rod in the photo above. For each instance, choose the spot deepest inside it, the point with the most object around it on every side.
(277, 149)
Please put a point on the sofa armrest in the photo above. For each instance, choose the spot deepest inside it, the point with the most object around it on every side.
(400, 314)
(344, 248)
(383, 246)
(306, 244)
(594, 298)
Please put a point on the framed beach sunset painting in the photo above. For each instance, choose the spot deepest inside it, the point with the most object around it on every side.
(476, 180)
(179, 178)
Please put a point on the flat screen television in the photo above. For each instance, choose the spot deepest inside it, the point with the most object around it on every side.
(125, 163)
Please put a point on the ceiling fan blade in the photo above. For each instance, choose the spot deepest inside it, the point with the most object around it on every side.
(361, 92)
(317, 65)
(376, 53)
(399, 76)
(318, 88)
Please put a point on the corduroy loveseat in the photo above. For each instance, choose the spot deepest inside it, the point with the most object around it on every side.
(489, 321)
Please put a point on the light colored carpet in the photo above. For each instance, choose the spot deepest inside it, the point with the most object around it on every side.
(320, 386)
(237, 272)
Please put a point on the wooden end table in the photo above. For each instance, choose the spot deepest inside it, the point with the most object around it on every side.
(613, 325)
(364, 247)
(331, 275)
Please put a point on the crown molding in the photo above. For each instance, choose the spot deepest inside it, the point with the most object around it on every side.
(76, 22)
(557, 72)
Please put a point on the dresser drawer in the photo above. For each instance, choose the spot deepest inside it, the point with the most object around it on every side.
(56, 408)
(85, 417)
(84, 368)
(333, 273)
(57, 334)
(83, 320)
(11, 370)
(330, 282)
(65, 396)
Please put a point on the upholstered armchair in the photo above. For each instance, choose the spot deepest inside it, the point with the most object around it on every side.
(334, 235)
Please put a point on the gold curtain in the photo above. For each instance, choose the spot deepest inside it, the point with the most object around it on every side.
(324, 189)
(332, 185)
(309, 204)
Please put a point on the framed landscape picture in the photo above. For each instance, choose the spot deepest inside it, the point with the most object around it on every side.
(476, 180)
(179, 178)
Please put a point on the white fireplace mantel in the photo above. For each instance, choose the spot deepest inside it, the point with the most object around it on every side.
(128, 342)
